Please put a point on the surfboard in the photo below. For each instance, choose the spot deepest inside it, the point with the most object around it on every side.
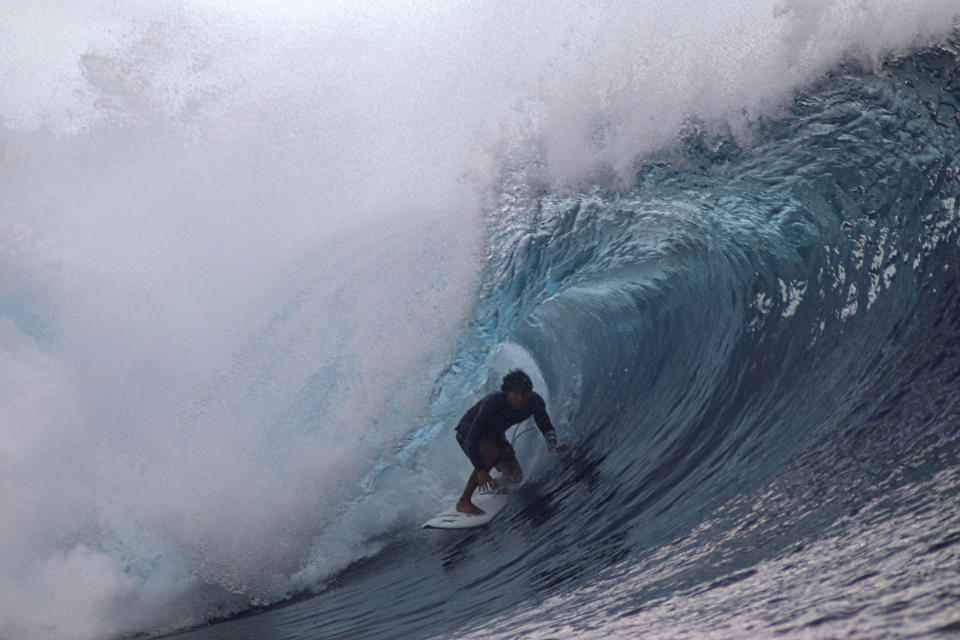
(491, 503)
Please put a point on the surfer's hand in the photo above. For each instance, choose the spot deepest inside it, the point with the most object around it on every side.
(557, 447)
(485, 482)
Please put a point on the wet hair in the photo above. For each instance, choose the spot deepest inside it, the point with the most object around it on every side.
(516, 380)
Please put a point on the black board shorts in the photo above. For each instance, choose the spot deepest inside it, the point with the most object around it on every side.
(506, 449)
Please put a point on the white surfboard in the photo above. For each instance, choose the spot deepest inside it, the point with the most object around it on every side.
(491, 503)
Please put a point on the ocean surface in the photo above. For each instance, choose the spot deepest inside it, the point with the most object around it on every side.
(255, 264)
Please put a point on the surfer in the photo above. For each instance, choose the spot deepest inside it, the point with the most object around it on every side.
(481, 434)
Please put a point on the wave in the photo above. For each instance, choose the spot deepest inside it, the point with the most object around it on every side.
(691, 321)
(747, 334)
(753, 354)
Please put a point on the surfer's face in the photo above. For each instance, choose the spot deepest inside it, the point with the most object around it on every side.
(517, 399)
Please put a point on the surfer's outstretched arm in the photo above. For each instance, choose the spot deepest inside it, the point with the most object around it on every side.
(540, 416)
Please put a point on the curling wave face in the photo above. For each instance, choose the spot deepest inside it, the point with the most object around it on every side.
(754, 355)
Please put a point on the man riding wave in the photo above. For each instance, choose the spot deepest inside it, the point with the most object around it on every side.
(481, 434)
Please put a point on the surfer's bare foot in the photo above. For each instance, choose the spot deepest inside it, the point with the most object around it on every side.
(465, 506)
